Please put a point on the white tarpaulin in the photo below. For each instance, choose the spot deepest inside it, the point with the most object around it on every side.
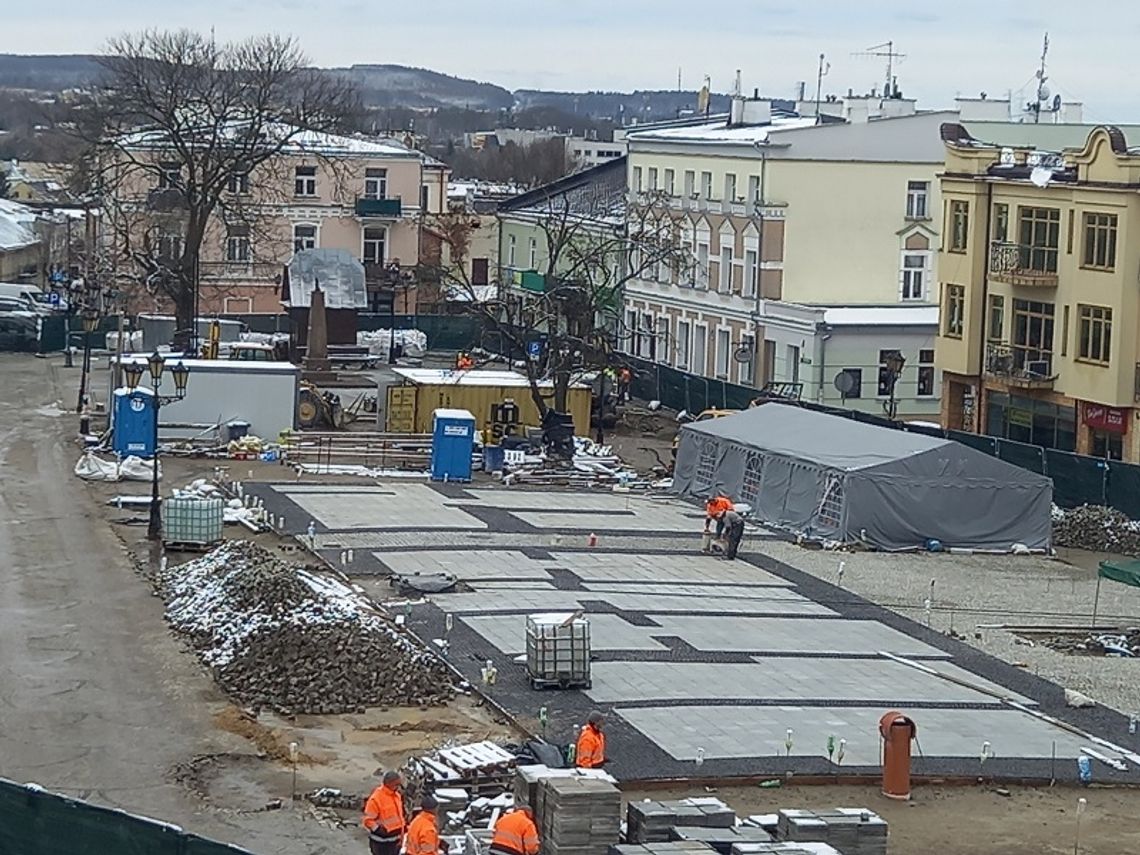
(92, 468)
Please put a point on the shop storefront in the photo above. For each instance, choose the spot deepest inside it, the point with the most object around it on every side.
(1031, 421)
(1107, 427)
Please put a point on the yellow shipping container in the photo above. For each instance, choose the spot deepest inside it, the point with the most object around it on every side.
(499, 400)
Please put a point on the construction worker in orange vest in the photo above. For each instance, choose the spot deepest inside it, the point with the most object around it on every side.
(591, 750)
(715, 505)
(515, 833)
(463, 361)
(423, 834)
(384, 816)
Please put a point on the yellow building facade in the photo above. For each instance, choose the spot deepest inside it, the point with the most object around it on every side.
(1038, 271)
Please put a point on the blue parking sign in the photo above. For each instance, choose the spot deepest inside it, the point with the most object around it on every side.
(53, 298)
(534, 349)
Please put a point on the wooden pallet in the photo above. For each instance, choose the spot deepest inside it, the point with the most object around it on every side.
(477, 767)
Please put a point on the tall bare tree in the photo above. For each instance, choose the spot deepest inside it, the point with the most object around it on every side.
(182, 126)
(595, 243)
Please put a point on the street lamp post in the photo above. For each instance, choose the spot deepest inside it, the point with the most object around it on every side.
(893, 361)
(181, 375)
(90, 324)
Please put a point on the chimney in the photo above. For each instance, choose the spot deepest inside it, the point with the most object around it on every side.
(756, 111)
(736, 111)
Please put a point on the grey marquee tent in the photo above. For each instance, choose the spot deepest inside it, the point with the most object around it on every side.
(837, 479)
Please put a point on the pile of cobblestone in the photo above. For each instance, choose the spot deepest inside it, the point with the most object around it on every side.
(1097, 529)
(294, 640)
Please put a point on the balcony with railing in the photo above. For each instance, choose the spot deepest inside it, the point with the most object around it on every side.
(1020, 367)
(372, 208)
(1022, 264)
(267, 272)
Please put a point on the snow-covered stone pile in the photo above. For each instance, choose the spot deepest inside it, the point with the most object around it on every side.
(1096, 528)
(295, 641)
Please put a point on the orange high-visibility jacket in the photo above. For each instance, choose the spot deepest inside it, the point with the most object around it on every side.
(422, 837)
(516, 833)
(714, 507)
(384, 814)
(591, 748)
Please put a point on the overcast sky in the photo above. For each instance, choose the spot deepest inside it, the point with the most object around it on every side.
(962, 47)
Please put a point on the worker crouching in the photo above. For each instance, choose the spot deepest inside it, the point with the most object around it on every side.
(384, 816)
(515, 833)
(591, 749)
(733, 524)
(716, 505)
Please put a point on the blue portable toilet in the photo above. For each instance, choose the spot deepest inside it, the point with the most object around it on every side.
(133, 423)
(452, 441)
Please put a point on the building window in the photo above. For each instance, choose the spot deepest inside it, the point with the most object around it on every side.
(726, 269)
(375, 183)
(856, 375)
(425, 198)
(304, 237)
(533, 248)
(669, 182)
(630, 331)
(754, 188)
(729, 187)
(751, 269)
(995, 330)
(690, 183)
(926, 373)
(652, 178)
(955, 310)
(792, 368)
(1096, 334)
(169, 247)
(723, 353)
(1040, 236)
(169, 175)
(375, 245)
(959, 225)
(702, 265)
(637, 178)
(916, 199)
(305, 181)
(1001, 222)
(237, 244)
(884, 385)
(914, 276)
(1100, 241)
(646, 345)
(683, 332)
(238, 183)
(510, 250)
(1033, 336)
(706, 185)
(662, 338)
(744, 373)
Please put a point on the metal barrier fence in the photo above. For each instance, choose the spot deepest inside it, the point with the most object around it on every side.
(33, 820)
(1077, 479)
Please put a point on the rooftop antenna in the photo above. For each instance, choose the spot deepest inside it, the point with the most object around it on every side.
(886, 51)
(1042, 88)
(824, 67)
(678, 78)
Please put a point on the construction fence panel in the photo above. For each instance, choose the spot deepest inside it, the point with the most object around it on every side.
(1077, 480)
(1123, 491)
(33, 820)
(979, 442)
(1031, 457)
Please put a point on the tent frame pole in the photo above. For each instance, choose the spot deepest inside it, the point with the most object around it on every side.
(1096, 601)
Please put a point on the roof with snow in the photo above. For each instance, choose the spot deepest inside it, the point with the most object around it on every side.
(293, 140)
(16, 226)
(338, 273)
(596, 193)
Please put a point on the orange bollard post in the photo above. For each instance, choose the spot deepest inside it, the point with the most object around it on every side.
(896, 731)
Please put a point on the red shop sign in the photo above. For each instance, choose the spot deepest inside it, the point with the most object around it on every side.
(1112, 419)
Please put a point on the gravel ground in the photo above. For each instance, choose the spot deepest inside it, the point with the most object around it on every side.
(973, 590)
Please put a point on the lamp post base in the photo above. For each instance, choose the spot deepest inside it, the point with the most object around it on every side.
(154, 526)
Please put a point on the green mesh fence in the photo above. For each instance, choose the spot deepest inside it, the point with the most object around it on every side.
(35, 821)
(1123, 491)
(1077, 480)
(1031, 457)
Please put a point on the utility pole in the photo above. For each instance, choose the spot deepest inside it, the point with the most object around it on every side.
(824, 67)
(1042, 93)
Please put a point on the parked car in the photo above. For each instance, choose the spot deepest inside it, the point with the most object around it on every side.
(33, 298)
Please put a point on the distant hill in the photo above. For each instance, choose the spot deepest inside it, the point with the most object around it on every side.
(395, 86)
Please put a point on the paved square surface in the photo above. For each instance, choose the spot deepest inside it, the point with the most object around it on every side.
(607, 632)
(783, 679)
(638, 518)
(668, 568)
(401, 506)
(467, 565)
(777, 601)
(751, 731)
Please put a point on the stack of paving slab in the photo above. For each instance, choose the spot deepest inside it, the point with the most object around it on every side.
(653, 821)
(528, 778)
(785, 848)
(723, 840)
(853, 831)
(577, 815)
(671, 847)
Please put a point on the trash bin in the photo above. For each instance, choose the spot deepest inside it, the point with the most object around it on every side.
(234, 430)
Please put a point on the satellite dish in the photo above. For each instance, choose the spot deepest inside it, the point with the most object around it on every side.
(1043, 93)
(844, 383)
(742, 353)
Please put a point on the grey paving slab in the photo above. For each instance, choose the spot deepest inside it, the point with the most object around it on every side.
(403, 506)
(752, 731)
(685, 566)
(792, 635)
(565, 500)
(607, 632)
(471, 539)
(669, 519)
(466, 564)
(783, 679)
(684, 589)
(778, 601)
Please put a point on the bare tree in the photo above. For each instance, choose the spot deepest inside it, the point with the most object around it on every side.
(182, 127)
(595, 244)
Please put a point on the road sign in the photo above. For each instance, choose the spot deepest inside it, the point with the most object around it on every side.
(534, 349)
(53, 298)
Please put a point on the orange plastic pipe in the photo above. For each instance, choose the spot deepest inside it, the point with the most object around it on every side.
(897, 731)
